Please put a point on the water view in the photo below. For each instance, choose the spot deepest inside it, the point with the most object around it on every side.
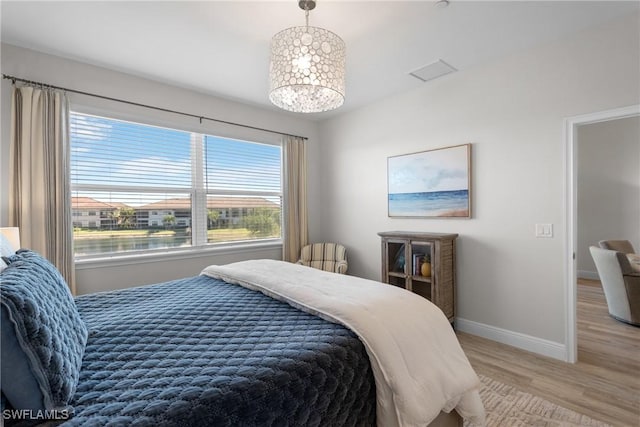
(434, 203)
(105, 245)
(109, 242)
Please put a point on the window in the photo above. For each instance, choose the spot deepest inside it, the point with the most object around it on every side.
(157, 188)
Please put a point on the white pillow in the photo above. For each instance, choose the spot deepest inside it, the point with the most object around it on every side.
(5, 250)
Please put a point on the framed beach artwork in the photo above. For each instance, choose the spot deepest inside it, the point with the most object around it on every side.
(434, 183)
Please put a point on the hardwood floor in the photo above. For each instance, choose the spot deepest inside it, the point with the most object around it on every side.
(604, 384)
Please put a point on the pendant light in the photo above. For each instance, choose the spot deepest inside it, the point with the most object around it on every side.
(307, 70)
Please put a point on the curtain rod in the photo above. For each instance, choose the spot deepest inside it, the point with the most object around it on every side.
(166, 110)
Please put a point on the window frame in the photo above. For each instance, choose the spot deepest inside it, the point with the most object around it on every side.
(199, 247)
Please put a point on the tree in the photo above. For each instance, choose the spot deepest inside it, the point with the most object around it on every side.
(125, 217)
(169, 220)
(112, 216)
(212, 217)
(262, 221)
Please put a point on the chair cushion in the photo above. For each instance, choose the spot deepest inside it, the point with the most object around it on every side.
(43, 336)
(623, 246)
(634, 260)
(323, 265)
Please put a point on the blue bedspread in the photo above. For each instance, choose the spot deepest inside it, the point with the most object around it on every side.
(201, 352)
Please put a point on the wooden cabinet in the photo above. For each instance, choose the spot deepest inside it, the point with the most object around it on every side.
(403, 253)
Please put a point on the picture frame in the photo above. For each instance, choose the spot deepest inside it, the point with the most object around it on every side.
(430, 184)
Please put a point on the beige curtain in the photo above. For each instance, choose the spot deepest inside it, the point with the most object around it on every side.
(40, 198)
(295, 228)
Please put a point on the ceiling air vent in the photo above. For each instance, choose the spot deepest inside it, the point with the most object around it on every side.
(433, 71)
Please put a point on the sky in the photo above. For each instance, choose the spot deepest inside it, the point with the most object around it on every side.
(429, 171)
(123, 154)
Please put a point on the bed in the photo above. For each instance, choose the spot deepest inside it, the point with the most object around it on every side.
(224, 348)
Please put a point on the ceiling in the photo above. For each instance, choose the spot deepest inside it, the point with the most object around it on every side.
(222, 47)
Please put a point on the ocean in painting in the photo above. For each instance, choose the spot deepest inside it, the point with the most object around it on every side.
(435, 203)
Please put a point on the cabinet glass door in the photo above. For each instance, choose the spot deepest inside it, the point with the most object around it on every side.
(397, 257)
(421, 256)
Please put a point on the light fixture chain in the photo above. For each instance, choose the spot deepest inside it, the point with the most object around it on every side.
(306, 17)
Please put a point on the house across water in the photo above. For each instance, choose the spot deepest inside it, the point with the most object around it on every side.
(223, 211)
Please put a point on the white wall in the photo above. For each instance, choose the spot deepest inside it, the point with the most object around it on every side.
(510, 284)
(58, 71)
(608, 187)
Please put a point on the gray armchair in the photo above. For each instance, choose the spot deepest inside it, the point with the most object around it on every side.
(621, 284)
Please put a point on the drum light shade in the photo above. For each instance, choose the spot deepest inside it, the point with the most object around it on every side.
(307, 70)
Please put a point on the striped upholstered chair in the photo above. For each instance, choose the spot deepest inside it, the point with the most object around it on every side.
(325, 256)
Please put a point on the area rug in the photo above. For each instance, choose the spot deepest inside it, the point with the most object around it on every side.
(507, 406)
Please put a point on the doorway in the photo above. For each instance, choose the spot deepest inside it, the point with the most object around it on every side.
(571, 212)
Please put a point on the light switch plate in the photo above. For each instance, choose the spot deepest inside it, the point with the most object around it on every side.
(544, 230)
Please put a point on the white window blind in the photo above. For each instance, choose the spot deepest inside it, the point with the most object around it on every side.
(243, 183)
(241, 166)
(148, 188)
(118, 153)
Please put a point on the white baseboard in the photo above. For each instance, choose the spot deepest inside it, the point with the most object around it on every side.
(514, 339)
(592, 275)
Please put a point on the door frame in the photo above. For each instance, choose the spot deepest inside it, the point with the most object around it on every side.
(571, 214)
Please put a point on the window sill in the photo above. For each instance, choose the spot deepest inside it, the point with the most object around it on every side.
(176, 254)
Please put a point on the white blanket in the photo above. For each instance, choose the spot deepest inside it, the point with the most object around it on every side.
(417, 362)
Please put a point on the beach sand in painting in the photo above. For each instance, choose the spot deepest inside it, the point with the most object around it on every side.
(456, 213)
